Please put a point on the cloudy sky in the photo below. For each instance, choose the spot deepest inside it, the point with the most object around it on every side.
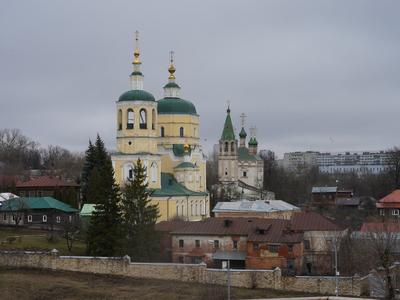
(310, 75)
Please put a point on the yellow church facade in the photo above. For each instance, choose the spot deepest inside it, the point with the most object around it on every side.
(164, 135)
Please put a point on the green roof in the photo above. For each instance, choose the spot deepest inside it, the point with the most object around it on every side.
(36, 203)
(253, 142)
(185, 165)
(136, 95)
(87, 210)
(228, 133)
(171, 85)
(170, 105)
(244, 154)
(170, 187)
(179, 149)
(136, 73)
(242, 133)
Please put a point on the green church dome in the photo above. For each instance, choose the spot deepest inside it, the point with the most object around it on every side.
(138, 95)
(169, 105)
(242, 133)
(253, 142)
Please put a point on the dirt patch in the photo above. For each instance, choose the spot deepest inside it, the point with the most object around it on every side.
(49, 285)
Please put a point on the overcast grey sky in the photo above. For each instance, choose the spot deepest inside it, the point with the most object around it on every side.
(310, 75)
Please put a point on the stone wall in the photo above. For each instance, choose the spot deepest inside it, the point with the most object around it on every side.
(199, 273)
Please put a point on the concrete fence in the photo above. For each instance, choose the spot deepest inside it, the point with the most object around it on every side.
(272, 279)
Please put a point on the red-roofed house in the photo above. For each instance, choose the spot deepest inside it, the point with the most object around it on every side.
(389, 206)
(48, 186)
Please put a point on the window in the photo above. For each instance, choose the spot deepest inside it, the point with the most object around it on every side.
(4, 217)
(226, 147)
(197, 260)
(58, 219)
(197, 243)
(44, 218)
(256, 246)
(306, 244)
(39, 193)
(162, 132)
(130, 173)
(244, 174)
(70, 219)
(216, 244)
(395, 212)
(233, 146)
(180, 259)
(30, 218)
(181, 132)
(153, 172)
(382, 212)
(290, 248)
(235, 245)
(273, 248)
(143, 119)
(153, 119)
(119, 119)
(181, 243)
(130, 119)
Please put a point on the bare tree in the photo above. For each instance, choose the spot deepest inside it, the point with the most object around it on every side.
(383, 241)
(71, 232)
(394, 163)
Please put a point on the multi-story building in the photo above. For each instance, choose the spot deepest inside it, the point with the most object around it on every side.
(339, 162)
(302, 244)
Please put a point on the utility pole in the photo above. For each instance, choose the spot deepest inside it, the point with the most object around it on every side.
(336, 267)
(229, 279)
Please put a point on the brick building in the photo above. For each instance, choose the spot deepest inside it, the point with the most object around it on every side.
(300, 245)
(389, 206)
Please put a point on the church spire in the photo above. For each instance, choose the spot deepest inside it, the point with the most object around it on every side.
(136, 76)
(228, 132)
(171, 89)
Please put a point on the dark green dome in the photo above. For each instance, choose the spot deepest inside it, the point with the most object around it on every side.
(242, 133)
(253, 142)
(138, 95)
(169, 105)
(171, 85)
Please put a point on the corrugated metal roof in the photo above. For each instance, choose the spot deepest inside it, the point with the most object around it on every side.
(312, 221)
(254, 206)
(46, 181)
(256, 229)
(16, 204)
(324, 189)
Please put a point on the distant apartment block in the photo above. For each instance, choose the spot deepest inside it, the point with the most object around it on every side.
(338, 162)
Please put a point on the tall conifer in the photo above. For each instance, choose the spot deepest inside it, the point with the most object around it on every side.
(105, 232)
(140, 217)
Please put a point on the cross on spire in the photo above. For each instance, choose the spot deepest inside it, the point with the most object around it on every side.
(243, 119)
(253, 131)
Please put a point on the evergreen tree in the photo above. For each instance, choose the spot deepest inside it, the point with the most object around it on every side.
(86, 171)
(105, 234)
(140, 217)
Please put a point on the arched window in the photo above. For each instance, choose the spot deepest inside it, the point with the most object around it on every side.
(162, 132)
(181, 132)
(226, 147)
(127, 171)
(130, 119)
(119, 119)
(233, 146)
(153, 172)
(143, 119)
(153, 119)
